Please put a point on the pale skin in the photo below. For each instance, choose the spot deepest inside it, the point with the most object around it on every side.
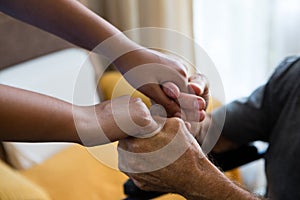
(27, 116)
(192, 175)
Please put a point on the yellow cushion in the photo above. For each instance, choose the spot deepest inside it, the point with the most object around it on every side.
(13, 186)
(74, 174)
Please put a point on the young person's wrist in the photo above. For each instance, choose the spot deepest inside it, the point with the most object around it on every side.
(116, 49)
(113, 120)
(89, 131)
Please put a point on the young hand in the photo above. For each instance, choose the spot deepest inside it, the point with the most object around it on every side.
(113, 120)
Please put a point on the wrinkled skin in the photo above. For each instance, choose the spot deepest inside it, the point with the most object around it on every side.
(170, 178)
(191, 175)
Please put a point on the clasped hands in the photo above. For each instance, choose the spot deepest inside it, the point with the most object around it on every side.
(170, 169)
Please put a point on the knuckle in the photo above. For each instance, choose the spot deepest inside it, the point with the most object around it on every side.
(199, 78)
(105, 107)
(143, 118)
(174, 123)
(182, 68)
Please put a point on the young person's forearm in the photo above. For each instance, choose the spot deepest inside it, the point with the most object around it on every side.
(72, 21)
(31, 117)
(75, 23)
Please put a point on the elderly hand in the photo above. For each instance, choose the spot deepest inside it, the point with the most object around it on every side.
(172, 161)
(171, 176)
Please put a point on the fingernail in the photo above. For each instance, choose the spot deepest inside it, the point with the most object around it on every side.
(170, 92)
(173, 93)
(199, 104)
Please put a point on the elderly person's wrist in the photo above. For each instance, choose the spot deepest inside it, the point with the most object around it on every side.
(207, 182)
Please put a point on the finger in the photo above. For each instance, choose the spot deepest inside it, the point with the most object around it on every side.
(181, 68)
(191, 102)
(194, 88)
(195, 128)
(171, 90)
(195, 115)
(199, 83)
(161, 98)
